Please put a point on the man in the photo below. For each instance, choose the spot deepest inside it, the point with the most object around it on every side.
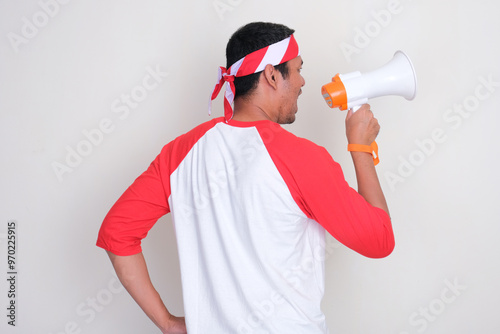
(250, 203)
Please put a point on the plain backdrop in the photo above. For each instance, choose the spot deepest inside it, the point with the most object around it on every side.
(90, 91)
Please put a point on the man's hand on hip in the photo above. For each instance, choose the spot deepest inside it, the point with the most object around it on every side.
(176, 325)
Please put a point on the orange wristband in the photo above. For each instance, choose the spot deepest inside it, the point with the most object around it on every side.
(372, 149)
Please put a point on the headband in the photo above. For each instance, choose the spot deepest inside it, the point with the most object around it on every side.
(274, 54)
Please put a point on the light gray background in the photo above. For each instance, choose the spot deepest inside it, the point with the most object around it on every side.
(65, 67)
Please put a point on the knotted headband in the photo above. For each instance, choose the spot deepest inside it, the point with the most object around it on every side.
(274, 54)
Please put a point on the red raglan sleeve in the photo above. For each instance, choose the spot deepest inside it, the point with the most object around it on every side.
(318, 186)
(137, 210)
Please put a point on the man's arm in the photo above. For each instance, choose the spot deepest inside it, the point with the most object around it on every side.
(133, 274)
(362, 128)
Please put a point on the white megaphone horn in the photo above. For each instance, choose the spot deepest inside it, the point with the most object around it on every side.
(351, 90)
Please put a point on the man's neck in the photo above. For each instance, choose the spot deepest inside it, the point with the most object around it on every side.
(249, 111)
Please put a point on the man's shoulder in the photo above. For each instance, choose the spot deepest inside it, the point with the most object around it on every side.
(274, 134)
(181, 145)
(201, 129)
(198, 131)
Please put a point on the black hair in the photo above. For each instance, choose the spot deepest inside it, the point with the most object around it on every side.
(249, 38)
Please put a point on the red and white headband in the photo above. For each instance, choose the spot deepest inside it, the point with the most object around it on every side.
(274, 54)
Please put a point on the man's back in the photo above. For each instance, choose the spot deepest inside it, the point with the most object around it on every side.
(246, 248)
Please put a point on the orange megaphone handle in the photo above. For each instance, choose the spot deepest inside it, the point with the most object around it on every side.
(372, 149)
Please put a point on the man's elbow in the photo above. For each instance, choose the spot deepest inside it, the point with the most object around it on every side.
(382, 252)
(384, 242)
(383, 248)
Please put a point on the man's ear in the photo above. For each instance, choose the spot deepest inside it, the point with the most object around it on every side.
(270, 75)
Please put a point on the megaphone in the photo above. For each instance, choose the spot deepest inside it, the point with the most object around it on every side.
(351, 90)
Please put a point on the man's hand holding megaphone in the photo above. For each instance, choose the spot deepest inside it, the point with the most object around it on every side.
(361, 130)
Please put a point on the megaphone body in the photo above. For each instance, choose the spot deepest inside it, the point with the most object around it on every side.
(351, 90)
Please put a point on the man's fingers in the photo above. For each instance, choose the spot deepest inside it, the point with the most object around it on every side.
(349, 114)
(365, 107)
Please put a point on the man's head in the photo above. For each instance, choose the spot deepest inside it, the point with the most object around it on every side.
(249, 38)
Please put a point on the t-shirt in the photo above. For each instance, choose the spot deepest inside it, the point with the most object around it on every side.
(250, 204)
